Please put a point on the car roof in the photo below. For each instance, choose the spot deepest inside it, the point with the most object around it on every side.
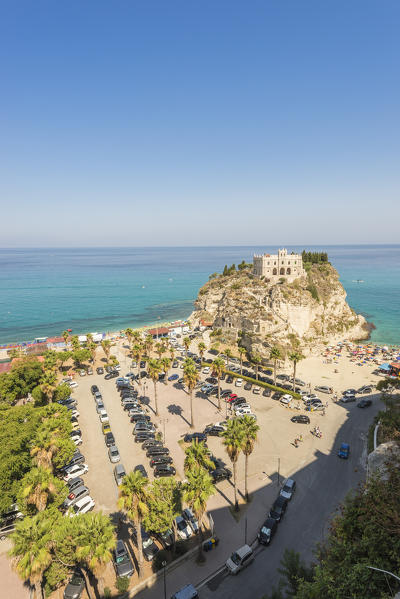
(242, 551)
(289, 482)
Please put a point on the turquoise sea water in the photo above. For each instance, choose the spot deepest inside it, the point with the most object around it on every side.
(45, 291)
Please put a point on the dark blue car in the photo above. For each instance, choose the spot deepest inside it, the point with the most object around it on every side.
(173, 377)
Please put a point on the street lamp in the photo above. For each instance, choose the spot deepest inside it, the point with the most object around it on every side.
(165, 582)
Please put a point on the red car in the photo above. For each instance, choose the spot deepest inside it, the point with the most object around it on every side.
(232, 397)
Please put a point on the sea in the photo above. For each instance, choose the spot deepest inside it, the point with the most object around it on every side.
(44, 291)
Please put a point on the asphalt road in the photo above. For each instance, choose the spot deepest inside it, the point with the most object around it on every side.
(321, 486)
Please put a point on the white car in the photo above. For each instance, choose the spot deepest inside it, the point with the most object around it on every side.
(256, 390)
(72, 384)
(82, 506)
(77, 440)
(74, 412)
(183, 528)
(74, 471)
(82, 373)
(239, 382)
(243, 410)
(206, 370)
(103, 416)
(286, 399)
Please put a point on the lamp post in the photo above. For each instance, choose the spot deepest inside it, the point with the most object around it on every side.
(165, 582)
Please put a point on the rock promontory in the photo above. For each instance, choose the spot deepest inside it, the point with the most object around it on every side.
(307, 313)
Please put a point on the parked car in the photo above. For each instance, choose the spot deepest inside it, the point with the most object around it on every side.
(183, 528)
(105, 427)
(157, 450)
(82, 373)
(206, 370)
(82, 506)
(122, 562)
(323, 389)
(75, 586)
(267, 531)
(197, 437)
(151, 443)
(348, 398)
(238, 382)
(344, 451)
(166, 538)
(164, 470)
(191, 519)
(286, 399)
(109, 439)
(300, 419)
(247, 386)
(220, 474)
(143, 436)
(94, 389)
(77, 458)
(242, 410)
(75, 471)
(240, 559)
(256, 390)
(74, 483)
(143, 426)
(288, 488)
(100, 370)
(138, 416)
(365, 389)
(364, 403)
(113, 454)
(119, 473)
(140, 468)
(173, 377)
(74, 496)
(267, 393)
(150, 549)
(214, 431)
(160, 459)
(278, 509)
(103, 417)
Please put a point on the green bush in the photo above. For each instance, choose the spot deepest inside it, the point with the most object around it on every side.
(161, 556)
(122, 585)
(181, 548)
(313, 290)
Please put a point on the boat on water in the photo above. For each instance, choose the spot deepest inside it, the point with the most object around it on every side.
(358, 281)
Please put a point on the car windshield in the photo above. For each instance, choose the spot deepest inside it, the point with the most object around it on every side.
(121, 558)
(266, 531)
(287, 489)
(114, 452)
(182, 525)
(147, 542)
(76, 579)
(235, 558)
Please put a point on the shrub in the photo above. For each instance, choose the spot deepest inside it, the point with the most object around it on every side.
(181, 548)
(313, 290)
(122, 585)
(160, 557)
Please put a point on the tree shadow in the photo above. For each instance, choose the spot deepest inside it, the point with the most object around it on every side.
(224, 496)
(178, 411)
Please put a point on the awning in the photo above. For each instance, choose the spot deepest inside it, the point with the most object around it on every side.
(384, 367)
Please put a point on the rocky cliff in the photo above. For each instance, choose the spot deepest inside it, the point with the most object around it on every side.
(308, 313)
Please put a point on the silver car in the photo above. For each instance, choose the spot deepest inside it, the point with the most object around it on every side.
(75, 496)
(113, 454)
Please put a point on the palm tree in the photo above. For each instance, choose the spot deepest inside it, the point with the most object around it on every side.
(171, 352)
(92, 347)
(197, 454)
(106, 345)
(295, 357)
(275, 355)
(38, 489)
(44, 448)
(32, 541)
(229, 355)
(136, 337)
(202, 348)
(133, 500)
(95, 539)
(256, 359)
(148, 343)
(233, 439)
(154, 372)
(137, 353)
(75, 342)
(166, 365)
(65, 336)
(197, 490)
(250, 429)
(129, 333)
(242, 352)
(48, 384)
(186, 344)
(190, 376)
(160, 349)
(218, 367)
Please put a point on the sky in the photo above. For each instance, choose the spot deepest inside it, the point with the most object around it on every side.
(213, 122)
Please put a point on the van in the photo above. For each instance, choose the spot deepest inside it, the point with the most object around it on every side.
(240, 559)
(119, 473)
(187, 592)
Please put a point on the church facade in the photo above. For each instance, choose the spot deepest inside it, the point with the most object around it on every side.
(277, 266)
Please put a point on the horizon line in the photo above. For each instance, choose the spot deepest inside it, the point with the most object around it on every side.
(86, 247)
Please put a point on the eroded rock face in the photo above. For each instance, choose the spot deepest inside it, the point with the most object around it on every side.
(308, 313)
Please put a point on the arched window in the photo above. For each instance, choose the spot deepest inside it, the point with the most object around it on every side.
(274, 272)
(288, 271)
(282, 271)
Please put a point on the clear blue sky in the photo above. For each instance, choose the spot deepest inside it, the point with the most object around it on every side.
(182, 122)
